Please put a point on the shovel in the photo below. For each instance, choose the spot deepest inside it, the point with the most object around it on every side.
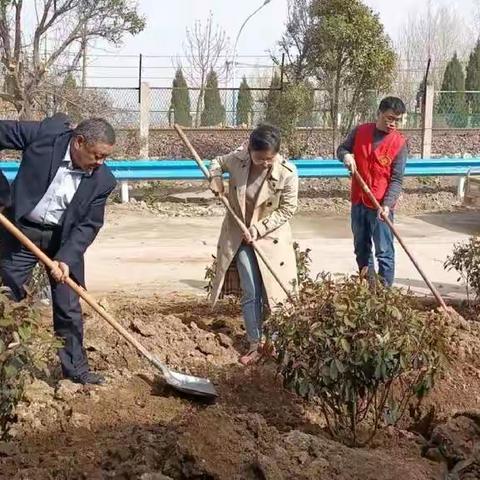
(394, 230)
(184, 383)
(227, 205)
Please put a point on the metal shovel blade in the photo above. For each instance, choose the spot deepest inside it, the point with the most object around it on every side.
(186, 383)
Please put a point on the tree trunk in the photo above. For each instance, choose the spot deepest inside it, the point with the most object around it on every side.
(335, 111)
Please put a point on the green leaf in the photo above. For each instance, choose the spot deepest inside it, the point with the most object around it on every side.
(6, 322)
(303, 388)
(345, 345)
(25, 332)
(340, 366)
(10, 371)
(397, 315)
(333, 370)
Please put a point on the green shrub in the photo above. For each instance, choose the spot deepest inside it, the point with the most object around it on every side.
(304, 262)
(363, 356)
(24, 349)
(465, 259)
(210, 274)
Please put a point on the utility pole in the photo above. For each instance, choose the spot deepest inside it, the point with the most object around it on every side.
(84, 57)
(429, 20)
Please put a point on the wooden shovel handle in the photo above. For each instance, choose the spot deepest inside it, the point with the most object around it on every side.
(238, 220)
(49, 264)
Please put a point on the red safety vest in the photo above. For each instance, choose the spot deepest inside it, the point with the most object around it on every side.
(374, 165)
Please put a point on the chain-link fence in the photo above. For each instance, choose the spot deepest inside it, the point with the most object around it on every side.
(162, 112)
(453, 109)
(119, 105)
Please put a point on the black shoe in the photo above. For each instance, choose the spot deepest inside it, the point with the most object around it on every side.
(89, 378)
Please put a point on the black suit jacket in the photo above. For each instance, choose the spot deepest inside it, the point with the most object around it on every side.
(44, 145)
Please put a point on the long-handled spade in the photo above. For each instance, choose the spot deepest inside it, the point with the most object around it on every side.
(227, 205)
(395, 232)
(184, 383)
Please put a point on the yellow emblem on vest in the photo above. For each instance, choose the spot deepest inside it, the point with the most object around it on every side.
(384, 160)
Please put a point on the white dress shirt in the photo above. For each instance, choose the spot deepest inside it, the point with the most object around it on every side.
(52, 206)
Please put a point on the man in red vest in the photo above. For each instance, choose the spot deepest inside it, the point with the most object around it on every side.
(379, 153)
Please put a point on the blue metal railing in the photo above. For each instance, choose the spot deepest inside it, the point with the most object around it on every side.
(313, 168)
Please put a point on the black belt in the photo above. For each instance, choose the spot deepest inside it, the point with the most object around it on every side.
(38, 226)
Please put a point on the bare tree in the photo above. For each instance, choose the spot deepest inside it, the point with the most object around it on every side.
(296, 42)
(68, 24)
(434, 32)
(204, 47)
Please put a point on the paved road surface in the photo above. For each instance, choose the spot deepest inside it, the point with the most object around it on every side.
(142, 254)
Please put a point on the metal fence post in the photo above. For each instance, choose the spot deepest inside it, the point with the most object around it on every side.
(145, 106)
(427, 123)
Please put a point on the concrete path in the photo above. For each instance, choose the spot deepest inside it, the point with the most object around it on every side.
(140, 253)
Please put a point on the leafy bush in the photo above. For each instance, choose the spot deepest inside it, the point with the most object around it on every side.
(465, 259)
(288, 108)
(24, 349)
(304, 262)
(363, 356)
(210, 274)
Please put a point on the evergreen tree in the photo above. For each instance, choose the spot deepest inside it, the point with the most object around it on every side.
(272, 102)
(452, 103)
(213, 110)
(69, 81)
(244, 104)
(71, 99)
(180, 104)
(472, 83)
(414, 119)
(306, 117)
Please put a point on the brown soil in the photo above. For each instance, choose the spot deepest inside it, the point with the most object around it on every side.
(137, 427)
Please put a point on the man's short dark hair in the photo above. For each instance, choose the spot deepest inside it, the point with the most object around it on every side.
(95, 130)
(392, 103)
(265, 137)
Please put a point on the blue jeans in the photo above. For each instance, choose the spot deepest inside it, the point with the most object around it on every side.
(252, 288)
(366, 227)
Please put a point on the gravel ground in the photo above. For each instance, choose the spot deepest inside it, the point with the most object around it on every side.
(327, 196)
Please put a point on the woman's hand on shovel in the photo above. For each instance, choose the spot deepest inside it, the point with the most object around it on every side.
(216, 185)
(251, 235)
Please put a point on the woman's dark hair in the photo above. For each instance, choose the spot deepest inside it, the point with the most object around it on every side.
(265, 137)
(392, 103)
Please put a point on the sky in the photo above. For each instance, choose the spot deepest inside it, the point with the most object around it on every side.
(166, 23)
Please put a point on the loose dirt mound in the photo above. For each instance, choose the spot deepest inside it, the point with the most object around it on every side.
(135, 427)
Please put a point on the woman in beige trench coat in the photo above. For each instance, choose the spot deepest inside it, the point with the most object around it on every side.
(263, 191)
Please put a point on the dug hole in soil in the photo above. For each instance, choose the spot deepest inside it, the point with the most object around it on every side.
(135, 427)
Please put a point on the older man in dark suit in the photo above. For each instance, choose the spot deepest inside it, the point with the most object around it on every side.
(58, 200)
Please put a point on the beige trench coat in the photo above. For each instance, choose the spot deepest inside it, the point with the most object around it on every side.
(276, 204)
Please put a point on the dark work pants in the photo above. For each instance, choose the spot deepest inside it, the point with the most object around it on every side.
(16, 265)
(368, 229)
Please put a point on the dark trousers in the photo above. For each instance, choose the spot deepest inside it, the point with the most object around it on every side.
(368, 229)
(16, 265)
